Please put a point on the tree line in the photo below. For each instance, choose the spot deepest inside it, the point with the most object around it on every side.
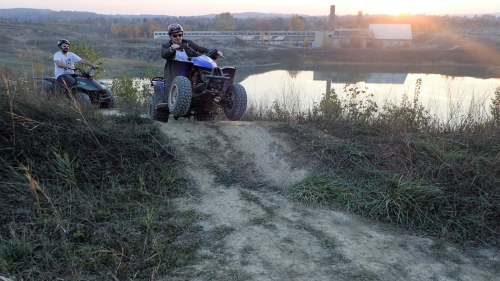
(123, 27)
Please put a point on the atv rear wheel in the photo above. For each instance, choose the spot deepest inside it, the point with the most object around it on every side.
(82, 100)
(179, 97)
(156, 114)
(237, 104)
(45, 87)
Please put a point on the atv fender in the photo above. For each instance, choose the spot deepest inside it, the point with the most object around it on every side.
(85, 87)
(46, 85)
(159, 92)
(229, 71)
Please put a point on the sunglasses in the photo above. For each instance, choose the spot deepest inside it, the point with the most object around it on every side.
(176, 35)
(65, 46)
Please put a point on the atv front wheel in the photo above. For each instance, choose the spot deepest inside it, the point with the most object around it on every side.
(107, 99)
(82, 100)
(237, 102)
(179, 97)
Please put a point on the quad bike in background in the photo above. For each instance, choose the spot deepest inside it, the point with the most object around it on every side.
(86, 92)
(202, 93)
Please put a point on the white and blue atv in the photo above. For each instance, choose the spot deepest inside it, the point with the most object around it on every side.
(203, 92)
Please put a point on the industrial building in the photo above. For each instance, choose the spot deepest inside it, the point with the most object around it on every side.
(295, 38)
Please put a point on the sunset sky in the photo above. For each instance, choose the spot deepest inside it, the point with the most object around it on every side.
(309, 7)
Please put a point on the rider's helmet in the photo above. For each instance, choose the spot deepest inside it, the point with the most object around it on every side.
(174, 28)
(63, 41)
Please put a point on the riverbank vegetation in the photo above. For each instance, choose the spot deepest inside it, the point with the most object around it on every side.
(397, 163)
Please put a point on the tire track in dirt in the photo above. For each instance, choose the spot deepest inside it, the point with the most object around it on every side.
(239, 174)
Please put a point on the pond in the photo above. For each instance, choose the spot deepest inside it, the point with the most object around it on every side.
(447, 92)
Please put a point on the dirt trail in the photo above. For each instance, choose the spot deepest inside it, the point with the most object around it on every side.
(239, 173)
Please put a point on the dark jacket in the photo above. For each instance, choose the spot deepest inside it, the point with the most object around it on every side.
(174, 68)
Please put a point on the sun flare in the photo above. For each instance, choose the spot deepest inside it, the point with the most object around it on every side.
(398, 8)
(395, 7)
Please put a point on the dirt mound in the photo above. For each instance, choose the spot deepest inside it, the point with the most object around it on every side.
(240, 173)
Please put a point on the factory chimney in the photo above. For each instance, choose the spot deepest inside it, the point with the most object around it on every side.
(332, 17)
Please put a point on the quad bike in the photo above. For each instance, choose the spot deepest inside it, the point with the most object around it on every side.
(202, 93)
(86, 92)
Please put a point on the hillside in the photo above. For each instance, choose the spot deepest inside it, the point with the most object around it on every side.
(45, 14)
(20, 41)
(190, 201)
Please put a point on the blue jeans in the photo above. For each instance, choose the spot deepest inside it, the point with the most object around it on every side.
(66, 80)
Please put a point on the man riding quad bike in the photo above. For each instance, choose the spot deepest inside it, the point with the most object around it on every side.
(85, 92)
(193, 84)
(80, 87)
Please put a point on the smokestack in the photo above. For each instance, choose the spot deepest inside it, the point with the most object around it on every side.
(332, 17)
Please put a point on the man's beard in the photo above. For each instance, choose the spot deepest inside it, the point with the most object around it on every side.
(64, 50)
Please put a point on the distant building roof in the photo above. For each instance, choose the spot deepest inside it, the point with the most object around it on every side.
(391, 31)
(249, 37)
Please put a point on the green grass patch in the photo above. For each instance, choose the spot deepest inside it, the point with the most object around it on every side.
(447, 187)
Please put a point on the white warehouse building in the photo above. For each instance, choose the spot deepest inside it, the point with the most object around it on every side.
(377, 35)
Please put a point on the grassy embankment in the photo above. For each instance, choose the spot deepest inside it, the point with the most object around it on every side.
(396, 163)
(85, 196)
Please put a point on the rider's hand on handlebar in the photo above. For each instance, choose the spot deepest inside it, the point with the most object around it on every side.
(95, 66)
(175, 46)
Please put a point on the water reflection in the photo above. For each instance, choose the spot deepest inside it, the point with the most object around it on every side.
(444, 95)
(344, 77)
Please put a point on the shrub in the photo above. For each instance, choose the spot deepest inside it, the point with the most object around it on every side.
(356, 106)
(90, 53)
(135, 91)
(124, 88)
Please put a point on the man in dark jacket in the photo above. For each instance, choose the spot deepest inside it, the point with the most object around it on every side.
(177, 50)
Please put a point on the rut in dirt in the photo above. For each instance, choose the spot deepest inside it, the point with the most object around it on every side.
(239, 174)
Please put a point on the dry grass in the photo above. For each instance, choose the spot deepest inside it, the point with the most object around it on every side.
(85, 196)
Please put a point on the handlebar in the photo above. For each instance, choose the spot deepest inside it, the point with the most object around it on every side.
(81, 70)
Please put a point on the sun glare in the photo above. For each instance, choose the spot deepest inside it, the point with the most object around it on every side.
(395, 7)
(398, 8)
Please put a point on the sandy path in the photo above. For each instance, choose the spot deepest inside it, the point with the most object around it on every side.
(257, 233)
